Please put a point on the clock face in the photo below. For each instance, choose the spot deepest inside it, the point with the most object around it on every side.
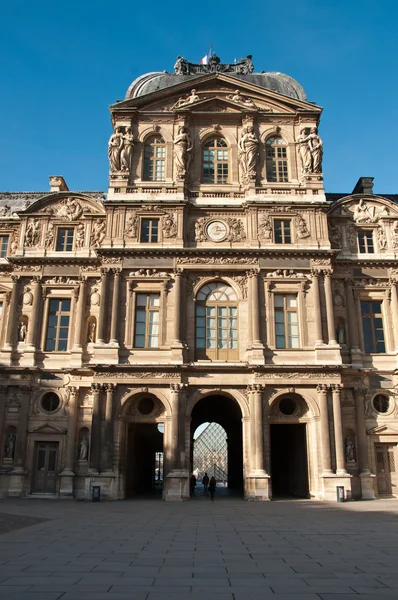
(217, 231)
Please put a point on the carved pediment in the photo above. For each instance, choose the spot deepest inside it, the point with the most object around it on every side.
(382, 430)
(47, 428)
(364, 209)
(66, 206)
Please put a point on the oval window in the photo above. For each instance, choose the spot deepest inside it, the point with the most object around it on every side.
(50, 402)
(287, 406)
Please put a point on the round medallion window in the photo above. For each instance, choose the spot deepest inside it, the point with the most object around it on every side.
(146, 406)
(381, 403)
(287, 406)
(50, 402)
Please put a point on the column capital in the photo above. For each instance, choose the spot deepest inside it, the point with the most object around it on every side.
(322, 388)
(15, 278)
(176, 387)
(336, 388)
(109, 387)
(36, 279)
(96, 387)
(73, 390)
(255, 387)
(117, 271)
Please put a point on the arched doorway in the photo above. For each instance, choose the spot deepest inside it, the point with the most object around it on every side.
(289, 457)
(225, 411)
(144, 417)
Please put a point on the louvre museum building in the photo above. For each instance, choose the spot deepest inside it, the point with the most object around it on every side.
(215, 282)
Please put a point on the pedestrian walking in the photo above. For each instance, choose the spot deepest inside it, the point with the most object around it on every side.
(212, 487)
(192, 485)
(205, 482)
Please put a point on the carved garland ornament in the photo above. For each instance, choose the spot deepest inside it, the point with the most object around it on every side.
(219, 230)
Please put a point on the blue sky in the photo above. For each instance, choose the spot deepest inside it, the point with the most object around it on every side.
(63, 63)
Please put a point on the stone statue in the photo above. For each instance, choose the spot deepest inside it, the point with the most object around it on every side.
(83, 448)
(27, 298)
(362, 213)
(115, 145)
(9, 447)
(381, 238)
(132, 225)
(248, 153)
(341, 334)
(316, 148)
(193, 97)
(265, 228)
(301, 228)
(91, 332)
(236, 97)
(50, 234)
(80, 236)
(169, 226)
(127, 150)
(22, 331)
(70, 209)
(305, 152)
(5, 211)
(349, 449)
(98, 234)
(182, 152)
(32, 235)
(181, 66)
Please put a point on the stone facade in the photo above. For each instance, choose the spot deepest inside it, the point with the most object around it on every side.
(216, 281)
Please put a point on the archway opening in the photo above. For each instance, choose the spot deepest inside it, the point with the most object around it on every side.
(289, 468)
(223, 437)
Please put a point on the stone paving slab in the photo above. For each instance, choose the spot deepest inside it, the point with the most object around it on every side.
(226, 550)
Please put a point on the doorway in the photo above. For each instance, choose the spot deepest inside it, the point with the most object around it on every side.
(45, 477)
(289, 466)
(144, 459)
(385, 470)
(224, 411)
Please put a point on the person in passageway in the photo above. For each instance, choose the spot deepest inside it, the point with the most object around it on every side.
(212, 487)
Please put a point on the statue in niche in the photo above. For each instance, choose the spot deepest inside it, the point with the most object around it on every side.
(9, 447)
(83, 448)
(50, 234)
(98, 234)
(127, 150)
(132, 225)
(183, 152)
(340, 334)
(316, 148)
(381, 238)
(248, 153)
(32, 235)
(305, 152)
(169, 227)
(22, 331)
(80, 236)
(265, 228)
(115, 145)
(301, 227)
(91, 332)
(349, 449)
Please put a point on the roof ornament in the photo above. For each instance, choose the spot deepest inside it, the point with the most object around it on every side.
(214, 65)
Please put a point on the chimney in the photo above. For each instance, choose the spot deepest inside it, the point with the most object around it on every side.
(364, 186)
(57, 184)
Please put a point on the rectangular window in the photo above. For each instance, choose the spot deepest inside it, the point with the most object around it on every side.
(282, 231)
(149, 230)
(65, 239)
(3, 245)
(58, 325)
(146, 330)
(1, 309)
(372, 325)
(286, 321)
(365, 241)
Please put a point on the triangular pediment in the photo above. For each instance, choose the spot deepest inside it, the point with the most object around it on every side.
(382, 430)
(47, 428)
(68, 206)
(216, 87)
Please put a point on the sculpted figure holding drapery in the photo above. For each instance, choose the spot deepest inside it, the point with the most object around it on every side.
(248, 153)
(115, 145)
(127, 150)
(182, 152)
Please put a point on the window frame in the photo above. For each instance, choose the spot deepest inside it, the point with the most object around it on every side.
(215, 162)
(364, 248)
(276, 163)
(147, 310)
(371, 316)
(4, 250)
(283, 233)
(65, 241)
(153, 160)
(59, 314)
(150, 220)
(286, 310)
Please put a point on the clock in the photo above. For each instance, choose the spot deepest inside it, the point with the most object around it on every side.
(217, 231)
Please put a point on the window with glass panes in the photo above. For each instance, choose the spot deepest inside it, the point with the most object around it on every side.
(3, 245)
(58, 325)
(149, 230)
(65, 239)
(372, 326)
(365, 242)
(282, 231)
(217, 322)
(215, 161)
(286, 321)
(154, 159)
(276, 159)
(146, 329)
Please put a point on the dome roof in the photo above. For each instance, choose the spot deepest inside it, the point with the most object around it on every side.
(276, 82)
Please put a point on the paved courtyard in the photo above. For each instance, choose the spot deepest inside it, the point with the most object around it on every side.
(226, 550)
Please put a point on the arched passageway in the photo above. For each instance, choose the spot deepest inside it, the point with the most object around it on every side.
(226, 412)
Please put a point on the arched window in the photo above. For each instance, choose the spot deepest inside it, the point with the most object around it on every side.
(215, 161)
(154, 158)
(276, 159)
(217, 322)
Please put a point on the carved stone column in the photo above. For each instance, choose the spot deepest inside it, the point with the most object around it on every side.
(178, 276)
(22, 431)
(329, 308)
(108, 437)
(317, 308)
(363, 459)
(66, 488)
(95, 454)
(177, 487)
(12, 314)
(325, 435)
(102, 310)
(257, 480)
(31, 338)
(257, 346)
(352, 316)
(81, 307)
(394, 310)
(175, 428)
(338, 430)
(115, 307)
